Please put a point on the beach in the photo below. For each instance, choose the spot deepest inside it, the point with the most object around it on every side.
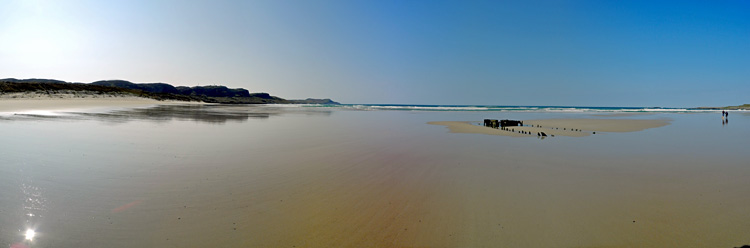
(31, 101)
(334, 177)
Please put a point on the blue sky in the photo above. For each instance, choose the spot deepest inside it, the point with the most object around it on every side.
(579, 53)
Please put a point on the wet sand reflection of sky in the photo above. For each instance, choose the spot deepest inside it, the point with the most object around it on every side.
(208, 113)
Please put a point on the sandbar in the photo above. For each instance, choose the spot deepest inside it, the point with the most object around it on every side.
(557, 127)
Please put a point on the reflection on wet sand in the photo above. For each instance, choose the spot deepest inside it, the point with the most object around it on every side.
(208, 113)
(364, 179)
(34, 208)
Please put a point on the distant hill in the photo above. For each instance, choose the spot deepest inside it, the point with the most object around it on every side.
(34, 80)
(213, 91)
(151, 87)
(159, 91)
(313, 101)
(743, 106)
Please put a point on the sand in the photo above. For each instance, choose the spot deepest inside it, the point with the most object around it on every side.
(373, 179)
(556, 127)
(25, 102)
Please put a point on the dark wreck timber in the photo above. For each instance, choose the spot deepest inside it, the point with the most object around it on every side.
(502, 123)
(506, 125)
(158, 91)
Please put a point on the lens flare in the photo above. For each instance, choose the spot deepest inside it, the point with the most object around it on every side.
(30, 234)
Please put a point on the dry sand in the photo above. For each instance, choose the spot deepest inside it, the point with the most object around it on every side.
(31, 101)
(557, 127)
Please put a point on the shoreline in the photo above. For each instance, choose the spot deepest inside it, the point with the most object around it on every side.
(32, 101)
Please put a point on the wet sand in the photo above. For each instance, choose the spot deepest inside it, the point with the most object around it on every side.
(23, 102)
(370, 179)
(559, 127)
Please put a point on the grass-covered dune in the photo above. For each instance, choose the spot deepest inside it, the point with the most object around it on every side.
(158, 91)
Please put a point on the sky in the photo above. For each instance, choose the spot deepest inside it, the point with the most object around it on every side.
(540, 53)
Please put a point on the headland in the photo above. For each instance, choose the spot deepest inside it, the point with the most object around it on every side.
(38, 88)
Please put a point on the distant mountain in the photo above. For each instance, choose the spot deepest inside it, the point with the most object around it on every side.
(159, 91)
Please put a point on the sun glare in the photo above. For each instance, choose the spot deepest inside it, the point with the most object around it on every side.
(30, 234)
(39, 41)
